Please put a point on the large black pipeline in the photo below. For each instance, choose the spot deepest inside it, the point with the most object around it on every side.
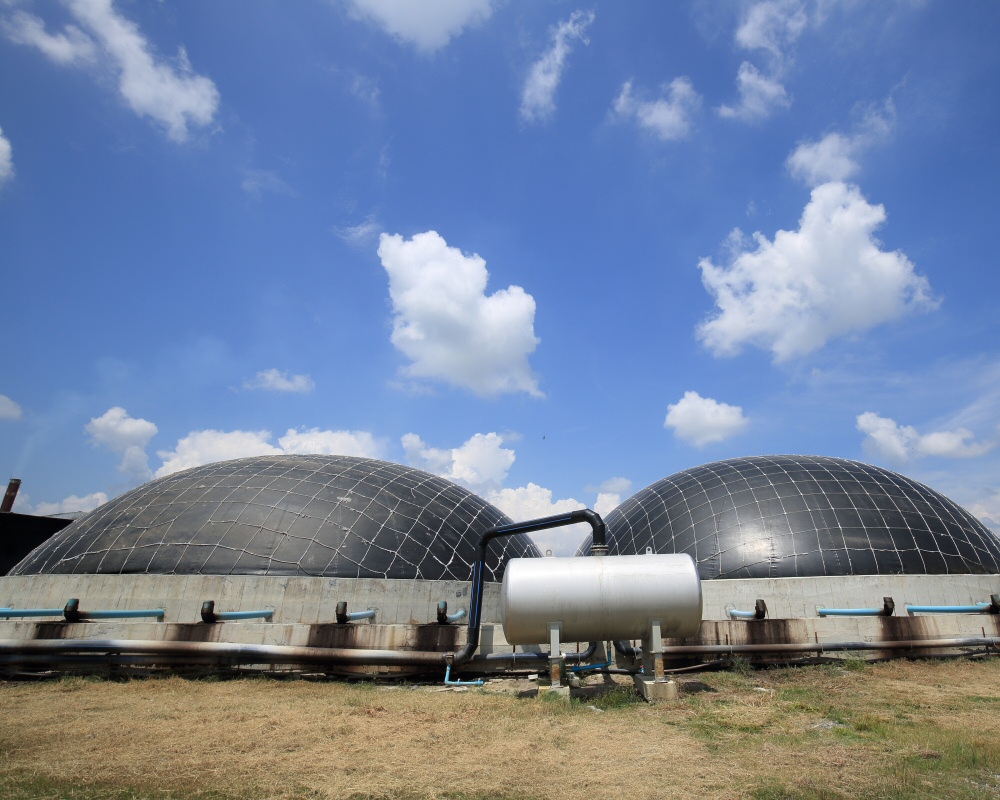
(599, 547)
(40, 651)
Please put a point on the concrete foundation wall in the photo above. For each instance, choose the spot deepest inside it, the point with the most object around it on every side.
(304, 611)
(797, 598)
(293, 600)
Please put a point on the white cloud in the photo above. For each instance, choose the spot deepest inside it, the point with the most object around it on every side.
(538, 95)
(127, 436)
(6, 159)
(68, 47)
(668, 118)
(759, 95)
(480, 464)
(987, 510)
(827, 279)
(702, 420)
(829, 159)
(616, 485)
(9, 409)
(533, 501)
(886, 438)
(72, 503)
(834, 157)
(209, 446)
(773, 26)
(258, 181)
(428, 25)
(274, 380)
(360, 234)
(446, 324)
(338, 443)
(171, 94)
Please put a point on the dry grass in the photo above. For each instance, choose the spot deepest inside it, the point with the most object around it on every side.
(895, 730)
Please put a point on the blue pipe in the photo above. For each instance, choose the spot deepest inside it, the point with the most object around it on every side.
(978, 608)
(229, 615)
(850, 612)
(456, 616)
(129, 614)
(449, 682)
(588, 667)
(737, 614)
(353, 616)
(31, 612)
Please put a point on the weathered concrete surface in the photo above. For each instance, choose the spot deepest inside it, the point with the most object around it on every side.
(304, 610)
(796, 598)
(293, 600)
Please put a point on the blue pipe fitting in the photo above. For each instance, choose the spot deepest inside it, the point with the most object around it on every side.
(444, 618)
(759, 611)
(449, 682)
(344, 617)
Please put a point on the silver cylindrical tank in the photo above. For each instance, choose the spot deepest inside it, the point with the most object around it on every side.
(600, 597)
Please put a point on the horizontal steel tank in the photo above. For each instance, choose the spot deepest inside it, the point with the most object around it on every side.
(597, 598)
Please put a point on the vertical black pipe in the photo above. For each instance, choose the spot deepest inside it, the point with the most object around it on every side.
(544, 523)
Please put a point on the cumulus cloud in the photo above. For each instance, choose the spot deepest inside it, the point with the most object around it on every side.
(209, 446)
(428, 25)
(126, 436)
(759, 96)
(169, 93)
(987, 510)
(538, 95)
(6, 159)
(701, 420)
(772, 26)
(533, 501)
(274, 380)
(835, 156)
(446, 324)
(334, 443)
(71, 504)
(69, 46)
(827, 279)
(480, 464)
(9, 409)
(886, 438)
(668, 117)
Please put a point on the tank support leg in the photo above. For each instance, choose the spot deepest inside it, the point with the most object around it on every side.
(653, 684)
(555, 654)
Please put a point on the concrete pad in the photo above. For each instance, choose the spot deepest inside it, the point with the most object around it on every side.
(653, 691)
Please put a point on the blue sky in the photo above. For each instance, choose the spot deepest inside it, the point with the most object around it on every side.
(553, 251)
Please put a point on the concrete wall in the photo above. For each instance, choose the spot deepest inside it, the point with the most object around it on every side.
(796, 598)
(293, 600)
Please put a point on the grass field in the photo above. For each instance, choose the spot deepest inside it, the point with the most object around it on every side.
(894, 730)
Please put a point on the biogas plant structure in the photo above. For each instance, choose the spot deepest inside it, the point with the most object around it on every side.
(344, 566)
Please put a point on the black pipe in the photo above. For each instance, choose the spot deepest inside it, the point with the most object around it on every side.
(544, 523)
(520, 658)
